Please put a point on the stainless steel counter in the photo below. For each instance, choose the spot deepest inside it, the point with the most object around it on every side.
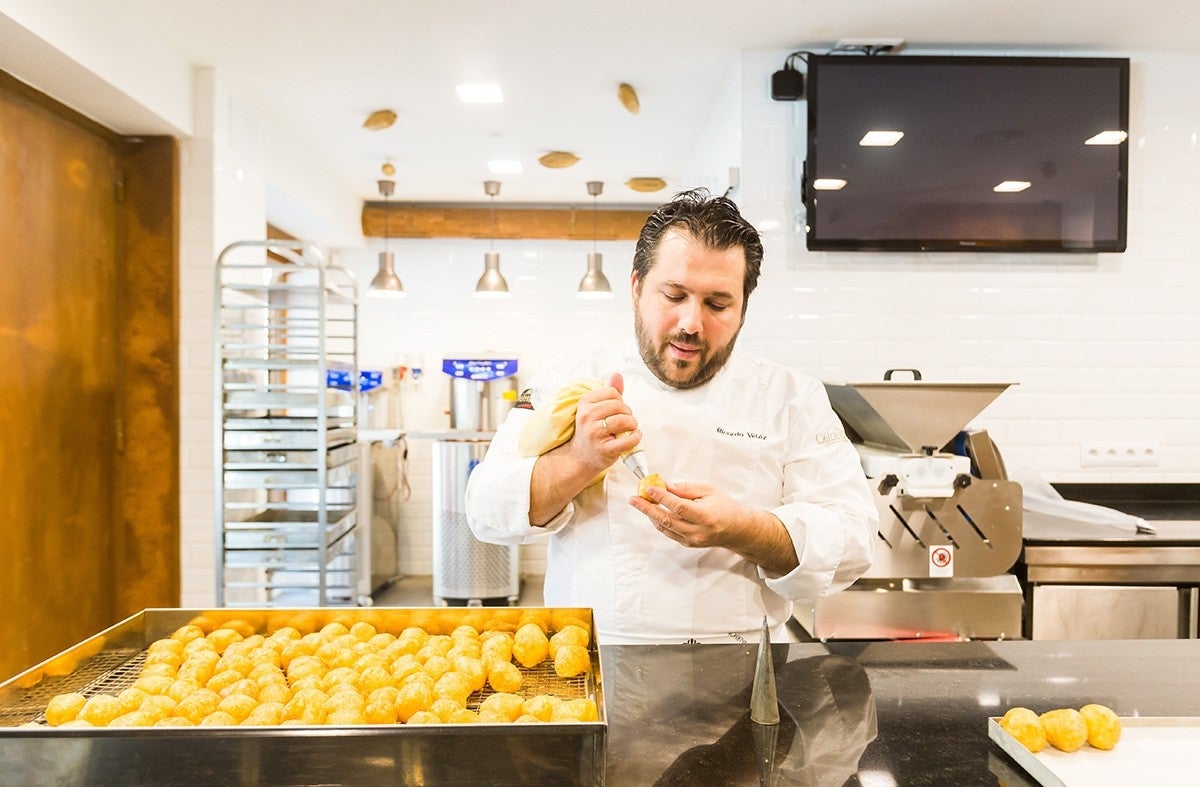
(852, 713)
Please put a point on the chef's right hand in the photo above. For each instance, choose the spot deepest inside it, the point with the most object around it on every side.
(604, 427)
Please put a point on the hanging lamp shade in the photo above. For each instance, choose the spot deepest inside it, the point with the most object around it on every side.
(491, 284)
(594, 284)
(386, 283)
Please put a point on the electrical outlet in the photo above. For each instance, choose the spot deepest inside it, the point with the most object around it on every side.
(1118, 454)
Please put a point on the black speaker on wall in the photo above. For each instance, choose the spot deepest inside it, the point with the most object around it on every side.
(787, 84)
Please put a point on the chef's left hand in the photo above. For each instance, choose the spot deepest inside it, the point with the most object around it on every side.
(699, 516)
(695, 515)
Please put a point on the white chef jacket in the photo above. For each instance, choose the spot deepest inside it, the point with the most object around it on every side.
(763, 433)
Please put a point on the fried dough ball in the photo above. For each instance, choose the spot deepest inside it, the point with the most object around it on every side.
(1103, 726)
(217, 718)
(243, 686)
(267, 714)
(333, 630)
(504, 704)
(153, 684)
(455, 686)
(1026, 726)
(1065, 729)
(654, 479)
(414, 697)
(530, 647)
(305, 666)
(374, 678)
(239, 706)
(197, 705)
(582, 709)
(306, 705)
(167, 644)
(437, 666)
(474, 671)
(160, 706)
(345, 699)
(159, 669)
(223, 637)
(341, 676)
(187, 633)
(131, 699)
(504, 676)
(345, 716)
(381, 705)
(381, 641)
(540, 707)
(569, 634)
(274, 692)
(572, 660)
(134, 718)
(169, 657)
(463, 716)
(65, 707)
(363, 631)
(99, 710)
(444, 707)
(181, 688)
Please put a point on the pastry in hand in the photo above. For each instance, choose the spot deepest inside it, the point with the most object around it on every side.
(654, 479)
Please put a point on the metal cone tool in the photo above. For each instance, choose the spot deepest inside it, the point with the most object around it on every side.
(764, 704)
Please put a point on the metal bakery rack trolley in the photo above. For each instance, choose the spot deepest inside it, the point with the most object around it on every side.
(285, 423)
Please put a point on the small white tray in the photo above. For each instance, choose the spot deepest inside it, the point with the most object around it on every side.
(1158, 750)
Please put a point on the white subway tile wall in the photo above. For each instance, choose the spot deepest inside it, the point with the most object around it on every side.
(1103, 348)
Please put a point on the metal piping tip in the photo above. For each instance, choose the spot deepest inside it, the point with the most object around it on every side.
(764, 704)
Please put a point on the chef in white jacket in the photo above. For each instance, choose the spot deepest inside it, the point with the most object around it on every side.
(766, 504)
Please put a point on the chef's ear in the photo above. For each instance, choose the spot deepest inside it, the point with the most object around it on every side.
(618, 382)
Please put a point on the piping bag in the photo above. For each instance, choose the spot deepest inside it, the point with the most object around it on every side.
(553, 424)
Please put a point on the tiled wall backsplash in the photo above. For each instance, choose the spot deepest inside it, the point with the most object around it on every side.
(1103, 348)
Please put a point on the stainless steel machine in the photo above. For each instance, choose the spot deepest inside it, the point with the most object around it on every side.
(949, 521)
(466, 570)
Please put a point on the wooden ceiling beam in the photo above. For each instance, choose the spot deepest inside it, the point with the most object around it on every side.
(433, 221)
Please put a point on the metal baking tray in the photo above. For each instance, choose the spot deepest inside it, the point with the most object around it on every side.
(283, 434)
(288, 528)
(1152, 750)
(275, 459)
(543, 753)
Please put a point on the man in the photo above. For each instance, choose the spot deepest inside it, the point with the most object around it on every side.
(766, 503)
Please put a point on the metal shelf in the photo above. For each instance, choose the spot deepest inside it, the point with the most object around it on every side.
(285, 450)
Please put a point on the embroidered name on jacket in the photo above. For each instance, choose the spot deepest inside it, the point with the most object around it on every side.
(750, 435)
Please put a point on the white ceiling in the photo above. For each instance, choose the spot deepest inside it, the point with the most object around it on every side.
(321, 67)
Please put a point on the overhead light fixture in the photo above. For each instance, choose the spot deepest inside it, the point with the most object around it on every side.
(557, 159)
(386, 283)
(594, 284)
(829, 184)
(379, 120)
(1011, 186)
(880, 139)
(1107, 138)
(479, 93)
(492, 284)
(505, 167)
(628, 98)
(646, 184)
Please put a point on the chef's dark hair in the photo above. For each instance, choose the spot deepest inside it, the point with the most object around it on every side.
(714, 221)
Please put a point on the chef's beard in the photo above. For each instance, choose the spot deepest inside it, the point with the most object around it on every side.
(654, 355)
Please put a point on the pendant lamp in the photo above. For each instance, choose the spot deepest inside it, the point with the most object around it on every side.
(492, 284)
(594, 284)
(386, 283)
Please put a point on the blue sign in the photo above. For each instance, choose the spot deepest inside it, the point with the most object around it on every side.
(482, 369)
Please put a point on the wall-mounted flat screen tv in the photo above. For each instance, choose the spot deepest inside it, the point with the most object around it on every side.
(940, 153)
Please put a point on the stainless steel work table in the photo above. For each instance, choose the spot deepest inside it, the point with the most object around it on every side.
(876, 713)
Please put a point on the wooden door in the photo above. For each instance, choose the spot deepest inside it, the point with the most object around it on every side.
(67, 358)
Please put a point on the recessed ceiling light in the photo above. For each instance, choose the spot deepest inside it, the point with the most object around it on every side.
(1107, 138)
(505, 167)
(479, 93)
(880, 139)
(829, 184)
(1011, 185)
